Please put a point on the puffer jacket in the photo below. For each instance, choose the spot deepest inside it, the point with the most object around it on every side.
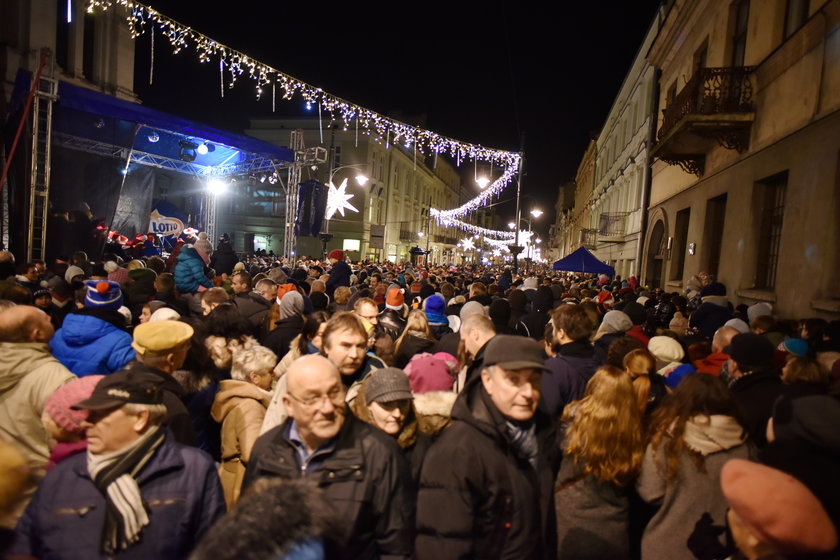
(240, 408)
(189, 272)
(29, 374)
(365, 476)
(65, 517)
(90, 342)
(479, 497)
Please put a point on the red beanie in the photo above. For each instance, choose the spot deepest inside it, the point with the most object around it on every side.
(337, 254)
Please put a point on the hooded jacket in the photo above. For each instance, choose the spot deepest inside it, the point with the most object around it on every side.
(90, 342)
(479, 497)
(189, 272)
(566, 376)
(29, 374)
(240, 408)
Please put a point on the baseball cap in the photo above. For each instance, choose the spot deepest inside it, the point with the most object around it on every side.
(514, 352)
(124, 387)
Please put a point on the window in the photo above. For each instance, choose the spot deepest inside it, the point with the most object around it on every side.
(680, 243)
(671, 94)
(741, 12)
(796, 13)
(715, 216)
(769, 198)
(701, 56)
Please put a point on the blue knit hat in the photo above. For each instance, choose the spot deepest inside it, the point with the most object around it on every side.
(103, 294)
(435, 309)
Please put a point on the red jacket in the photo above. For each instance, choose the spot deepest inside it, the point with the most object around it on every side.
(711, 364)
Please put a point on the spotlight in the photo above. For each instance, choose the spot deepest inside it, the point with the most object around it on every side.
(153, 137)
(188, 151)
(202, 149)
(99, 124)
(216, 186)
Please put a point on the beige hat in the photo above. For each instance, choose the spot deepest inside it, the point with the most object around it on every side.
(154, 338)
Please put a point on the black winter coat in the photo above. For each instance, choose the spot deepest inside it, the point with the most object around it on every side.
(339, 276)
(365, 476)
(279, 340)
(755, 394)
(478, 496)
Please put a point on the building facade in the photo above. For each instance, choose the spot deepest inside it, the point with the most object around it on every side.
(621, 167)
(745, 183)
(398, 193)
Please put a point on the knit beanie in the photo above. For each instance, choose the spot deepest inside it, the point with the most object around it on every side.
(435, 309)
(777, 509)
(386, 385)
(337, 254)
(103, 294)
(118, 275)
(432, 372)
(58, 404)
(72, 272)
(759, 310)
(291, 305)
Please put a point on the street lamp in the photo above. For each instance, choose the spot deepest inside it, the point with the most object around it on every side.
(361, 178)
(482, 182)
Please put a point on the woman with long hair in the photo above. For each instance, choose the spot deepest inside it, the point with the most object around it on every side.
(693, 434)
(603, 446)
(416, 338)
(649, 386)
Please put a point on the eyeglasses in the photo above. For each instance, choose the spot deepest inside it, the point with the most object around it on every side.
(335, 396)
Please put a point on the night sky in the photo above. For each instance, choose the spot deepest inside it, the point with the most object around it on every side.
(479, 74)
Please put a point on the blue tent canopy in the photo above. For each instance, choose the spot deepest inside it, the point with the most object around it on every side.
(583, 261)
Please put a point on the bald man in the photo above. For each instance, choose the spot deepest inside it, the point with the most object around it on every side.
(361, 470)
(29, 374)
(714, 362)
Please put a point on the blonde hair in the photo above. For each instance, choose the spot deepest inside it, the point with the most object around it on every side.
(604, 436)
(417, 321)
(255, 358)
(640, 365)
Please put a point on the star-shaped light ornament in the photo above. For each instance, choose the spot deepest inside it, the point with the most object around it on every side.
(338, 199)
(467, 244)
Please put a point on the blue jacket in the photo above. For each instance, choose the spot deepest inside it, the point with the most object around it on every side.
(339, 276)
(66, 515)
(88, 343)
(189, 272)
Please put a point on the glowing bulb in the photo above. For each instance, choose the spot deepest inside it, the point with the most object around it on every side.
(536, 213)
(202, 149)
(153, 137)
(308, 106)
(511, 225)
(216, 187)
(482, 182)
(362, 180)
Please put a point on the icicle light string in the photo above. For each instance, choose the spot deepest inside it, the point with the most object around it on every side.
(141, 18)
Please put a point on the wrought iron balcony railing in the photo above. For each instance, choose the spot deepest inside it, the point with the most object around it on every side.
(710, 91)
(588, 237)
(612, 224)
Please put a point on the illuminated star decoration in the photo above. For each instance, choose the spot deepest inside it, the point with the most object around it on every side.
(468, 244)
(338, 200)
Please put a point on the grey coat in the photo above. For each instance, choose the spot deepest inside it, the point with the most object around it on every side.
(592, 516)
(691, 520)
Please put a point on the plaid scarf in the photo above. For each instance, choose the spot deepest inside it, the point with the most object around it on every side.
(114, 474)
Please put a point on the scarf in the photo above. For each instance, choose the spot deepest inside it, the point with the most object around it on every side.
(711, 434)
(523, 438)
(114, 475)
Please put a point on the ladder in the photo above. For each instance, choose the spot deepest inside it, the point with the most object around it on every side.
(46, 93)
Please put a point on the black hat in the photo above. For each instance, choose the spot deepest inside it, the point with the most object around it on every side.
(750, 349)
(124, 387)
(636, 313)
(514, 352)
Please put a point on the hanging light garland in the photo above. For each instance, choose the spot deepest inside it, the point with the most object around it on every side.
(235, 64)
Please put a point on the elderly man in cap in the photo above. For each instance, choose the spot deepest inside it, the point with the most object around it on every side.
(360, 468)
(161, 348)
(486, 485)
(134, 493)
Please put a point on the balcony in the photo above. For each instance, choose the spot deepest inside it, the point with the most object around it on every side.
(588, 238)
(715, 107)
(612, 227)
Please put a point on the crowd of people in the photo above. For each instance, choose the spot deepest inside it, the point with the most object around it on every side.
(204, 404)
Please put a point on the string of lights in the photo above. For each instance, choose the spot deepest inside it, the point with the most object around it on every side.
(234, 64)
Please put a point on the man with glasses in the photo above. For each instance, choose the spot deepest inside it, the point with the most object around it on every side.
(360, 469)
